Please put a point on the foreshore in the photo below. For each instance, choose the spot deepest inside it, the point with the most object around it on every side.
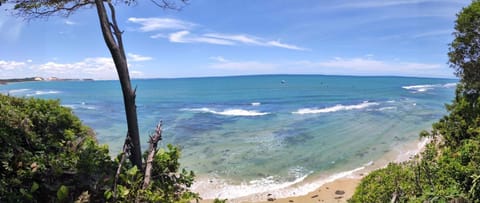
(340, 187)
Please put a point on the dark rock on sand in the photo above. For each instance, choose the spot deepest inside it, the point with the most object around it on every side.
(339, 192)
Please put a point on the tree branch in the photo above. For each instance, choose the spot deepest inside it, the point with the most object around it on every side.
(167, 4)
(39, 9)
(119, 169)
(116, 30)
(151, 153)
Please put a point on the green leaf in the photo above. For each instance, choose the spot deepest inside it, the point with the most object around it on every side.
(62, 193)
(123, 191)
(108, 194)
(132, 171)
(35, 187)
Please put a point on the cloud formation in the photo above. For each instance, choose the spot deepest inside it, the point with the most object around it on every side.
(137, 57)
(156, 24)
(369, 66)
(11, 65)
(94, 67)
(184, 33)
(366, 66)
(185, 37)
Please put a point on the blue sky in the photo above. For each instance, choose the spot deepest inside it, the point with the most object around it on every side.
(218, 37)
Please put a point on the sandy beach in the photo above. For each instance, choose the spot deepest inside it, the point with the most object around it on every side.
(340, 189)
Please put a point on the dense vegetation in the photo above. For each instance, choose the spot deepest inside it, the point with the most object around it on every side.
(47, 155)
(449, 168)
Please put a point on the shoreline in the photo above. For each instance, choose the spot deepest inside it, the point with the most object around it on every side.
(338, 187)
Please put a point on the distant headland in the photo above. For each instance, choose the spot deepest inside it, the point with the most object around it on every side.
(32, 79)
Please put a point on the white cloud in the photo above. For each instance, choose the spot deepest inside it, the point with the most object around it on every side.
(94, 67)
(286, 46)
(155, 24)
(159, 35)
(369, 66)
(185, 37)
(252, 40)
(184, 34)
(99, 68)
(250, 66)
(238, 38)
(11, 65)
(136, 57)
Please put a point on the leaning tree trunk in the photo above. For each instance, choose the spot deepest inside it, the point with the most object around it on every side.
(115, 45)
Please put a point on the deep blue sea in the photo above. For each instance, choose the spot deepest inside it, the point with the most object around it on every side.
(247, 133)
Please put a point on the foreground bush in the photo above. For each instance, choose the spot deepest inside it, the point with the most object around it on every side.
(47, 155)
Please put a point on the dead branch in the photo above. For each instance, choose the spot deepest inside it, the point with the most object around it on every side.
(152, 149)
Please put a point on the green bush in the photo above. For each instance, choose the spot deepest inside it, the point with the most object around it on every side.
(47, 155)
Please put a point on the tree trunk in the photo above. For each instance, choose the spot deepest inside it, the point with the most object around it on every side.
(115, 45)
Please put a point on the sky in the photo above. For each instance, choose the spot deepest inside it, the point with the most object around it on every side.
(238, 37)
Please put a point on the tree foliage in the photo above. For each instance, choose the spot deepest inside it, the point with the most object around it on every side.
(47, 155)
(449, 168)
(464, 52)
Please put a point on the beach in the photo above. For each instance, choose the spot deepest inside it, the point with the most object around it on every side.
(340, 187)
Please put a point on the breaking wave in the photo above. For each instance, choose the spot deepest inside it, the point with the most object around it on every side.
(338, 107)
(43, 93)
(424, 88)
(229, 112)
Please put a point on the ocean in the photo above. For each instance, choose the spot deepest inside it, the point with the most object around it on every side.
(244, 135)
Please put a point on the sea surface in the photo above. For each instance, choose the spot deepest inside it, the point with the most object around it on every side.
(249, 134)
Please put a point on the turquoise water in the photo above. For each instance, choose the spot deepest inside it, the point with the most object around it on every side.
(261, 130)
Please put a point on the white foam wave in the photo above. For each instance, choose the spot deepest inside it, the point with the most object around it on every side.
(215, 188)
(43, 93)
(17, 91)
(424, 88)
(448, 85)
(219, 188)
(387, 108)
(338, 107)
(229, 112)
(409, 154)
(83, 106)
(256, 103)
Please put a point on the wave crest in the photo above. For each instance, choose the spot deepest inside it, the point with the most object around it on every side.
(424, 88)
(338, 107)
(43, 93)
(229, 112)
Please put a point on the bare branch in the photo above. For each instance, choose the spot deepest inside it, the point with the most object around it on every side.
(168, 4)
(151, 153)
(116, 30)
(45, 8)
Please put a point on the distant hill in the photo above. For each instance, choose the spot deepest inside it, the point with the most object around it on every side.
(30, 79)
